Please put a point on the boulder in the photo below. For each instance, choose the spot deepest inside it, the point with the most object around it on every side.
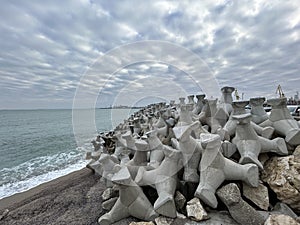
(282, 175)
(258, 195)
(280, 220)
(142, 223)
(162, 220)
(195, 210)
(110, 193)
(108, 204)
(282, 208)
(180, 200)
(240, 210)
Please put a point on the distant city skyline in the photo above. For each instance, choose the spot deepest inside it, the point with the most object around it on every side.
(47, 47)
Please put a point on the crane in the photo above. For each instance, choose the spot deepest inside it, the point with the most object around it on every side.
(279, 91)
(236, 94)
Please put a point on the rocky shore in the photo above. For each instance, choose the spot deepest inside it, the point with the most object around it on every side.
(204, 162)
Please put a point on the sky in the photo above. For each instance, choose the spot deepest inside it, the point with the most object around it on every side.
(50, 48)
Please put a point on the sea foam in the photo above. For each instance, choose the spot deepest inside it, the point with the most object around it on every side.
(39, 170)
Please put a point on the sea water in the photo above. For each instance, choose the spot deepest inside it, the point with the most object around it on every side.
(37, 146)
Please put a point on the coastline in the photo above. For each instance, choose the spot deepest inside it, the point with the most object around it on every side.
(71, 199)
(59, 183)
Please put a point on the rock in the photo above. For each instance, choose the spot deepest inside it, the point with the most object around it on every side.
(195, 210)
(4, 214)
(280, 220)
(180, 216)
(109, 193)
(297, 151)
(142, 223)
(282, 208)
(180, 200)
(240, 210)
(220, 217)
(258, 195)
(108, 204)
(162, 220)
(282, 175)
(263, 158)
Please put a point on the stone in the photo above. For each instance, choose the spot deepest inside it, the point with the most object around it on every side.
(109, 193)
(142, 223)
(4, 214)
(297, 151)
(280, 220)
(162, 220)
(180, 216)
(215, 168)
(282, 208)
(195, 210)
(107, 205)
(180, 200)
(263, 158)
(258, 195)
(282, 175)
(240, 210)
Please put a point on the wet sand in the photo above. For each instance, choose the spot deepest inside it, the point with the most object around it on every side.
(72, 199)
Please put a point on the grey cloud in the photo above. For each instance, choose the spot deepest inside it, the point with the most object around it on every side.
(46, 46)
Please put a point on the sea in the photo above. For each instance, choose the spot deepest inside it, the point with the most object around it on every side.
(37, 146)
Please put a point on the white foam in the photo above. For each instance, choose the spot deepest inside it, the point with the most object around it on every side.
(20, 186)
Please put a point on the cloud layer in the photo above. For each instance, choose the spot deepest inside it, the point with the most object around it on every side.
(46, 47)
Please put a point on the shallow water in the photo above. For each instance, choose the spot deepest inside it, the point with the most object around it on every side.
(39, 145)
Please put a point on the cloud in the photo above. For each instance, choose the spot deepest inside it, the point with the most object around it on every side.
(46, 47)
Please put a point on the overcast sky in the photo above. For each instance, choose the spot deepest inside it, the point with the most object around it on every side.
(48, 46)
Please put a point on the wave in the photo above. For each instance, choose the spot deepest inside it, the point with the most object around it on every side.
(39, 170)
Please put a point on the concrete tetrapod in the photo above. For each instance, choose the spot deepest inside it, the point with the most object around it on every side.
(240, 210)
(156, 149)
(164, 178)
(207, 115)
(199, 105)
(131, 202)
(140, 155)
(238, 109)
(250, 145)
(104, 166)
(281, 119)
(224, 108)
(191, 151)
(258, 112)
(191, 99)
(215, 168)
(185, 116)
(120, 148)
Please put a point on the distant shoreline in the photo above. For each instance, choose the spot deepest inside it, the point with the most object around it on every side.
(123, 107)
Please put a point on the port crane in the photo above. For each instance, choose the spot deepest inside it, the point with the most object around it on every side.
(279, 91)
